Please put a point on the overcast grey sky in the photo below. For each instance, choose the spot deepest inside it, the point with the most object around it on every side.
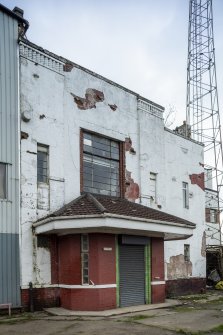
(140, 44)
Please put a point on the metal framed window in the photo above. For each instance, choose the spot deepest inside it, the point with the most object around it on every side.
(101, 160)
(187, 252)
(153, 186)
(42, 164)
(85, 258)
(3, 181)
(185, 195)
(213, 216)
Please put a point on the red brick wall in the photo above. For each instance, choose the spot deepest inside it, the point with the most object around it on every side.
(88, 299)
(157, 270)
(102, 264)
(69, 260)
(102, 270)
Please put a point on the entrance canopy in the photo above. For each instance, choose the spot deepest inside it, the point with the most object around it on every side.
(105, 214)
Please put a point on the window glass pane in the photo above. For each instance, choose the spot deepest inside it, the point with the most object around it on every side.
(185, 195)
(42, 164)
(100, 165)
(2, 181)
(187, 252)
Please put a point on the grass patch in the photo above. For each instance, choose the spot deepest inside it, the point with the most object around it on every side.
(218, 329)
(194, 297)
(185, 332)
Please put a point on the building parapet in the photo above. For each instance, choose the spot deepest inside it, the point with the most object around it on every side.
(41, 58)
(150, 108)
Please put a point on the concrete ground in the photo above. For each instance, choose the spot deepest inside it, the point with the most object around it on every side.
(201, 314)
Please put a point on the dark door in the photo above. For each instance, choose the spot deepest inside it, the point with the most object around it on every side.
(132, 275)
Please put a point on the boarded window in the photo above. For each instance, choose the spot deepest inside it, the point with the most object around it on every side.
(3, 192)
(85, 258)
(187, 252)
(100, 165)
(185, 195)
(42, 164)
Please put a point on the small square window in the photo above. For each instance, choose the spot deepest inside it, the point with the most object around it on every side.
(187, 252)
(3, 177)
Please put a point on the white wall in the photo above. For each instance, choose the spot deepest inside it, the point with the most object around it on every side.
(56, 121)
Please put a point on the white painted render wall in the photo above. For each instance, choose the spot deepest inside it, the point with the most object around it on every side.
(56, 121)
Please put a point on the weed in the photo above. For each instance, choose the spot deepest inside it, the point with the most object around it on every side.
(218, 329)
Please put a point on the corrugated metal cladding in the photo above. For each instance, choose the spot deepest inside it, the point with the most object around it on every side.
(132, 275)
(9, 154)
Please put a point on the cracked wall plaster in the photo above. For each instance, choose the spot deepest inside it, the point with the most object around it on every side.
(92, 96)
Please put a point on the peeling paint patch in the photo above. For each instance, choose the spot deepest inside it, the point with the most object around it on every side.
(128, 146)
(68, 67)
(197, 179)
(113, 107)
(92, 96)
(178, 267)
(203, 245)
(132, 188)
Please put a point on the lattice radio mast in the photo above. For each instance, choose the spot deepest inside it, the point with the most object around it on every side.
(202, 94)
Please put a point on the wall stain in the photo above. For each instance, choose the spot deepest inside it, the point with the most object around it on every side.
(178, 267)
(132, 188)
(92, 96)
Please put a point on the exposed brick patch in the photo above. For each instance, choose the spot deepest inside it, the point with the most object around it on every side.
(178, 267)
(128, 146)
(179, 287)
(132, 188)
(24, 135)
(113, 107)
(92, 96)
(197, 179)
(68, 67)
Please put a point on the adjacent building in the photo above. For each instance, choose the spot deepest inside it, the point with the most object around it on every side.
(112, 204)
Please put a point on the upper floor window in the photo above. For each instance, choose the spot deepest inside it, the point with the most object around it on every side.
(3, 188)
(212, 215)
(42, 163)
(153, 186)
(100, 165)
(187, 252)
(185, 195)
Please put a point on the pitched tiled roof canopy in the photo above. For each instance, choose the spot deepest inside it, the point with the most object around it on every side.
(88, 204)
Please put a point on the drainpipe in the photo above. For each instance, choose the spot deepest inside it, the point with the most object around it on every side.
(139, 152)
